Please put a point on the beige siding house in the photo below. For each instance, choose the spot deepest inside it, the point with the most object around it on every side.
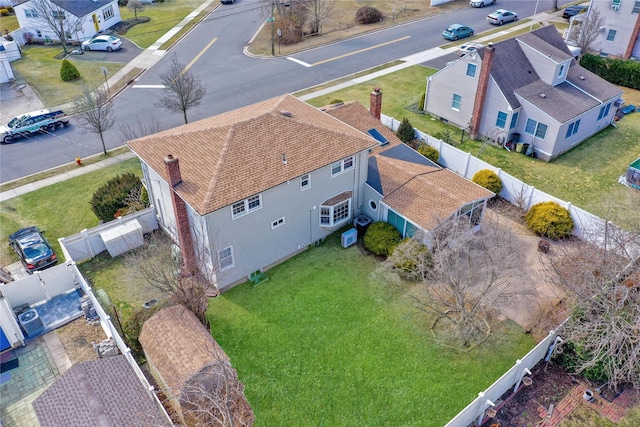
(526, 89)
(620, 35)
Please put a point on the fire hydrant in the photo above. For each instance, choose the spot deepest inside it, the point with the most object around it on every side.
(78, 161)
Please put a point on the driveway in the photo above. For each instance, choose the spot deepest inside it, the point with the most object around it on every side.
(124, 55)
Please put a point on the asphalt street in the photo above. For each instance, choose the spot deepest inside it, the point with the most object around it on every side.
(214, 49)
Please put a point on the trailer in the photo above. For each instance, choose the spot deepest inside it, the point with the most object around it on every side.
(43, 121)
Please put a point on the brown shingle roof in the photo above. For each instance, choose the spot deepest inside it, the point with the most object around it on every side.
(178, 345)
(591, 83)
(425, 194)
(237, 154)
(102, 392)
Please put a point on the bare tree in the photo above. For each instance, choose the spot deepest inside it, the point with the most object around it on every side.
(467, 278)
(52, 17)
(182, 90)
(215, 397)
(319, 10)
(601, 275)
(135, 6)
(142, 127)
(588, 29)
(95, 113)
(158, 262)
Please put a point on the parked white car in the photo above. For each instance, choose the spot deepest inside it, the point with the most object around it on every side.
(481, 3)
(108, 43)
(468, 48)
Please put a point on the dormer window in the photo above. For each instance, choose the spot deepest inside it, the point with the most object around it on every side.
(561, 70)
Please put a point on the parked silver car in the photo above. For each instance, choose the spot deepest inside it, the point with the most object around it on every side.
(108, 43)
(501, 16)
(481, 3)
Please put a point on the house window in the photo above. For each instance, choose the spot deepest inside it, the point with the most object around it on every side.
(561, 71)
(225, 258)
(456, 102)
(514, 120)
(333, 215)
(604, 111)
(342, 166)
(611, 35)
(57, 14)
(537, 129)
(107, 12)
(305, 182)
(573, 128)
(277, 223)
(31, 13)
(472, 212)
(636, 7)
(373, 205)
(245, 206)
(471, 70)
(501, 121)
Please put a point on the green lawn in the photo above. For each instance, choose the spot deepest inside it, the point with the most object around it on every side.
(40, 68)
(587, 176)
(8, 23)
(328, 342)
(61, 209)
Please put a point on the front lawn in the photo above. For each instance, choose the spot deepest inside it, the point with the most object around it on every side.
(328, 341)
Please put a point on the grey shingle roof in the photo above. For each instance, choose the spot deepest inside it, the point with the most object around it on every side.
(543, 46)
(562, 102)
(516, 77)
(594, 85)
(511, 69)
(103, 392)
(81, 8)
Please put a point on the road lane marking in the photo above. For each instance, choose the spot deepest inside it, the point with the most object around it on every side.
(190, 64)
(361, 50)
(148, 86)
(304, 64)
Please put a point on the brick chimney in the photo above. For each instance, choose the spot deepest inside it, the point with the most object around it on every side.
(375, 103)
(189, 264)
(481, 91)
(633, 39)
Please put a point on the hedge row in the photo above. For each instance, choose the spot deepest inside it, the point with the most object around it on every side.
(616, 71)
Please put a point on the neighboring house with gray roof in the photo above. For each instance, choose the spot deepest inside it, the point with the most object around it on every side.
(620, 34)
(103, 392)
(525, 89)
(253, 186)
(94, 16)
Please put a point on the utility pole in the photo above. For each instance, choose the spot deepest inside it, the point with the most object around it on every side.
(273, 27)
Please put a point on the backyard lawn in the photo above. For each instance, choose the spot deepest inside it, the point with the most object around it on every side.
(328, 340)
(586, 176)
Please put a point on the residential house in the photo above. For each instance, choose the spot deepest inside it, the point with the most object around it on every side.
(620, 34)
(92, 17)
(525, 89)
(254, 186)
(189, 366)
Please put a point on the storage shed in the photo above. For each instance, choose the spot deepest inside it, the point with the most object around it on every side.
(193, 371)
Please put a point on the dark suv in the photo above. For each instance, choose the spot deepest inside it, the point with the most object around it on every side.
(33, 249)
(573, 11)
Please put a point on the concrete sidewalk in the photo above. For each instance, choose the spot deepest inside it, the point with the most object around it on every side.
(152, 55)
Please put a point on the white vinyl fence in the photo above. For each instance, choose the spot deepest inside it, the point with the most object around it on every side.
(518, 192)
(512, 379)
(89, 243)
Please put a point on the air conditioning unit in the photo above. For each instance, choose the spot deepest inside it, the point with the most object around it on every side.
(349, 237)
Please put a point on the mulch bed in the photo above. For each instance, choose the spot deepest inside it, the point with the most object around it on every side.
(551, 383)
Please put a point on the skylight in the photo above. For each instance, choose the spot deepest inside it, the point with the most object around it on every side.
(378, 136)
